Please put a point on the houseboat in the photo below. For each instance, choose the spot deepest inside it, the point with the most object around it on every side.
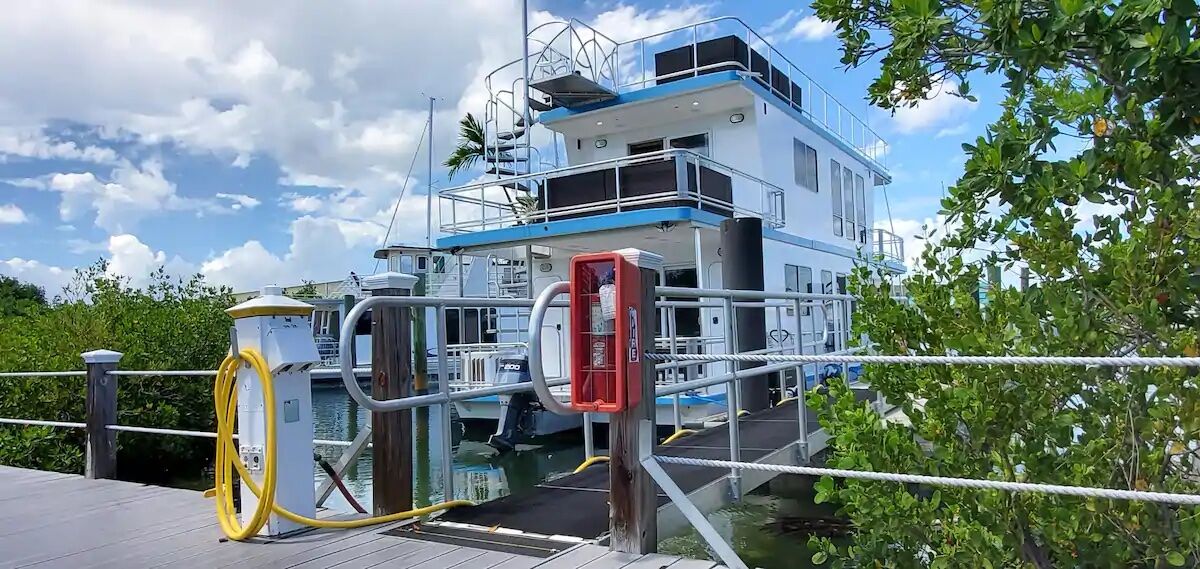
(597, 145)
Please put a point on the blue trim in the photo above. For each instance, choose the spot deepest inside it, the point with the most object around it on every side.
(712, 80)
(637, 218)
(579, 225)
(646, 94)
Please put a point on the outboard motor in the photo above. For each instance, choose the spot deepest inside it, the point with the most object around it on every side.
(517, 411)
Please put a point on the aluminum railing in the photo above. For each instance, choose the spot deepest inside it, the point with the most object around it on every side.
(491, 204)
(888, 245)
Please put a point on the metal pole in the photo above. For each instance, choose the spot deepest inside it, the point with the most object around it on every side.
(676, 409)
(429, 193)
(801, 388)
(731, 394)
(444, 386)
(525, 82)
(589, 443)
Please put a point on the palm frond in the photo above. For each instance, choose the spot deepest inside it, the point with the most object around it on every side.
(470, 147)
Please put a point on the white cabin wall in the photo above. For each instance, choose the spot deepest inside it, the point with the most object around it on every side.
(809, 214)
(731, 144)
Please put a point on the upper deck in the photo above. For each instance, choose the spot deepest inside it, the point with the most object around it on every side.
(707, 121)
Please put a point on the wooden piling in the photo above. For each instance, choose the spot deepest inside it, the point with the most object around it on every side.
(391, 378)
(101, 411)
(634, 509)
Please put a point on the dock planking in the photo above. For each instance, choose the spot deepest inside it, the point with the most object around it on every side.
(52, 520)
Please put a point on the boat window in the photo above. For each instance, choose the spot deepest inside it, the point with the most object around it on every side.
(646, 147)
(835, 184)
(422, 263)
(697, 143)
(804, 160)
(848, 193)
(687, 320)
(798, 279)
(860, 193)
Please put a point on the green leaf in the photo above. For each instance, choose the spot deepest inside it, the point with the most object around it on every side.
(1176, 559)
(819, 557)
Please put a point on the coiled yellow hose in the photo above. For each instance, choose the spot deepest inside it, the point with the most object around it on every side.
(228, 459)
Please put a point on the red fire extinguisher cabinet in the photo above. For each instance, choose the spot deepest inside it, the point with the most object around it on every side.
(606, 359)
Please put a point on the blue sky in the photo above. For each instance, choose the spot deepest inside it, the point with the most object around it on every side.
(269, 143)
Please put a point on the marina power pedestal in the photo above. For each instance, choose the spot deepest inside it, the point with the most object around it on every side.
(281, 329)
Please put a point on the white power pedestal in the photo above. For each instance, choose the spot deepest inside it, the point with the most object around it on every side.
(281, 329)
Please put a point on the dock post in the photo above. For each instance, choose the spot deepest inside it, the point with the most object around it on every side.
(101, 411)
(633, 523)
(742, 269)
(391, 378)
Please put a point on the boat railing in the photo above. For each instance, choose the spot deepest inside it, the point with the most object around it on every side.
(775, 71)
(888, 245)
(635, 182)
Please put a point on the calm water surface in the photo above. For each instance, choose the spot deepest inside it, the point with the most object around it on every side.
(763, 528)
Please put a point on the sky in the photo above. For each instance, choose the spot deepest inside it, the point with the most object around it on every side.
(260, 143)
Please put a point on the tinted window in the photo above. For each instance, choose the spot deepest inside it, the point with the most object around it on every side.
(835, 183)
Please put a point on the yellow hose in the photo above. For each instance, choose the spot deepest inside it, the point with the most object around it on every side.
(228, 459)
(678, 435)
(583, 466)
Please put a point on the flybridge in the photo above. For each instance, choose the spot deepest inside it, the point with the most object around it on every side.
(579, 68)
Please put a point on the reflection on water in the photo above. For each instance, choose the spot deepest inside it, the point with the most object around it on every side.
(480, 472)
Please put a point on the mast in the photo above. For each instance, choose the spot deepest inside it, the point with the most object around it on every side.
(429, 193)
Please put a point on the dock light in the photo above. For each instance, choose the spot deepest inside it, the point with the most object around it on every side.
(737, 118)
(695, 103)
(601, 142)
(599, 123)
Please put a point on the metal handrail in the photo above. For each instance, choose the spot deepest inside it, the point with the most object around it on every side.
(536, 374)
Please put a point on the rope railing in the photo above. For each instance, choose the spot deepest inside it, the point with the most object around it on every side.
(1108, 361)
(978, 484)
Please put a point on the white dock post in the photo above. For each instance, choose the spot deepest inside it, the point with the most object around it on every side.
(280, 328)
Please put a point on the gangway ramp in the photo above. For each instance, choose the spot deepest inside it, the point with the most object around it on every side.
(577, 505)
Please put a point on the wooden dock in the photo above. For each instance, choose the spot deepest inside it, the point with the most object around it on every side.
(50, 520)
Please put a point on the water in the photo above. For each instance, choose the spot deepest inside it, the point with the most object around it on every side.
(767, 529)
(480, 472)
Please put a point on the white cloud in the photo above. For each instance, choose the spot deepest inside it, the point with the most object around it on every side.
(240, 201)
(812, 28)
(956, 130)
(128, 195)
(941, 107)
(626, 22)
(51, 279)
(791, 26)
(10, 214)
(35, 144)
(781, 22)
(301, 203)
